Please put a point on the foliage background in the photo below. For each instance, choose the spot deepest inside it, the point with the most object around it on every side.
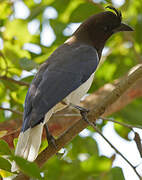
(25, 43)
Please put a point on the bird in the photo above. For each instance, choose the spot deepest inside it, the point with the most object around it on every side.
(65, 77)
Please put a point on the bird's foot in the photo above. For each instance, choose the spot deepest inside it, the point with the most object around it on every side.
(50, 138)
(83, 112)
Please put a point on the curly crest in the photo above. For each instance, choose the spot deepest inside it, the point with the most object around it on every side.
(117, 12)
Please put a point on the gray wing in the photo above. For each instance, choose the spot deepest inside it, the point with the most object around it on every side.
(65, 71)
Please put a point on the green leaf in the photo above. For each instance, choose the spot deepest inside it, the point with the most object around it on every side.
(27, 64)
(35, 11)
(27, 79)
(5, 10)
(4, 148)
(85, 145)
(96, 164)
(111, 67)
(132, 113)
(5, 164)
(19, 95)
(15, 142)
(29, 168)
(83, 11)
(43, 145)
(121, 130)
(5, 174)
(117, 174)
(13, 55)
(60, 5)
(58, 27)
(2, 116)
(17, 29)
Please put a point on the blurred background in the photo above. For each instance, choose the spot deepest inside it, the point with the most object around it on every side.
(29, 32)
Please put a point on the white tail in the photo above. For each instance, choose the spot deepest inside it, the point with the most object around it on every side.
(29, 142)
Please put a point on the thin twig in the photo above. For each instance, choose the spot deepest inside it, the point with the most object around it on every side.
(13, 132)
(11, 110)
(67, 115)
(116, 150)
(121, 123)
(5, 61)
(103, 118)
(98, 131)
(14, 81)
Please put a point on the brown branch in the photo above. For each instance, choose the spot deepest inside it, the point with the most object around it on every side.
(12, 130)
(121, 123)
(14, 81)
(58, 123)
(95, 112)
(11, 110)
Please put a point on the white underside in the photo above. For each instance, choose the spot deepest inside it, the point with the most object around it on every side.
(29, 142)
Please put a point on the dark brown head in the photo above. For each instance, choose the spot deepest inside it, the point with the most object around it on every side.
(99, 27)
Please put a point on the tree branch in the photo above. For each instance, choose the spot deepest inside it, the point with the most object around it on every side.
(59, 123)
(14, 81)
(95, 112)
(116, 150)
(121, 123)
(11, 110)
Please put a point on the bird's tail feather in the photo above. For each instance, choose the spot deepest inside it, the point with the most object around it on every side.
(28, 144)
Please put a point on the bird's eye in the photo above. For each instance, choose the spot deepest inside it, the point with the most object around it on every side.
(106, 29)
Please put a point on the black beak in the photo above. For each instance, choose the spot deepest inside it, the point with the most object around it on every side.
(122, 27)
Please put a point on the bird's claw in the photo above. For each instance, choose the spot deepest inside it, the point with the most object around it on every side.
(83, 112)
(50, 138)
(51, 141)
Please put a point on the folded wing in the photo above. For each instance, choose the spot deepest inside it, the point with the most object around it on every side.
(62, 74)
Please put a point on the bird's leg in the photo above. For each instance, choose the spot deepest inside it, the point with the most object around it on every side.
(83, 112)
(49, 136)
(51, 141)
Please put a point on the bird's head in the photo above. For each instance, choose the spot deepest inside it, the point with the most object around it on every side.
(99, 27)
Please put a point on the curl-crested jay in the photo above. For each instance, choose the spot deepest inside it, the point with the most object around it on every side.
(66, 75)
